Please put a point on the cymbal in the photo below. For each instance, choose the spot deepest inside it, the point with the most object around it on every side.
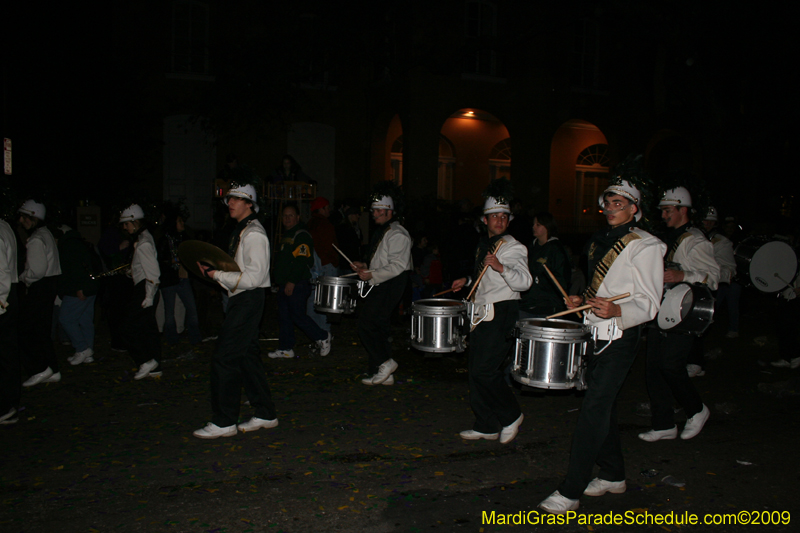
(192, 252)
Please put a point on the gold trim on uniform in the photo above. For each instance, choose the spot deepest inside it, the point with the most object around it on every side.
(602, 267)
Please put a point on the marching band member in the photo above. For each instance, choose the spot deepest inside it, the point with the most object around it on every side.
(622, 259)
(386, 271)
(40, 275)
(141, 329)
(668, 352)
(237, 358)
(497, 412)
(10, 388)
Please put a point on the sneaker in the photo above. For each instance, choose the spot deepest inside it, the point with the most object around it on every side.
(257, 423)
(794, 363)
(598, 487)
(55, 378)
(509, 433)
(81, 357)
(389, 380)
(145, 369)
(695, 371)
(733, 335)
(471, 434)
(281, 354)
(781, 363)
(324, 346)
(384, 371)
(659, 434)
(213, 431)
(558, 504)
(38, 378)
(8, 416)
(695, 424)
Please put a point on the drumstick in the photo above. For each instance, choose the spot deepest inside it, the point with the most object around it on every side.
(783, 280)
(588, 306)
(497, 247)
(560, 288)
(443, 292)
(353, 274)
(341, 252)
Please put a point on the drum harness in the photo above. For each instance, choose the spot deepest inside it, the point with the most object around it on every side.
(471, 303)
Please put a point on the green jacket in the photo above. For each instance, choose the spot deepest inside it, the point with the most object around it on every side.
(295, 256)
(76, 266)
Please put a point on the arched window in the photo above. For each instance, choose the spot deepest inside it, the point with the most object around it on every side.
(591, 173)
(500, 160)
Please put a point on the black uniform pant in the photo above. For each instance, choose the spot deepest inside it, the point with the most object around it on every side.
(237, 362)
(667, 354)
(10, 368)
(141, 329)
(490, 397)
(36, 325)
(596, 437)
(375, 320)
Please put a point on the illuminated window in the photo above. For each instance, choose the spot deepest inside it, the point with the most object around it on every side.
(189, 53)
(591, 174)
(500, 160)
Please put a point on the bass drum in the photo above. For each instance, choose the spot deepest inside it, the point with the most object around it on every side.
(686, 308)
(767, 265)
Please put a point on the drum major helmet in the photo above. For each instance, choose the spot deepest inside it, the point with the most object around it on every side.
(34, 209)
(712, 214)
(131, 213)
(498, 197)
(244, 191)
(678, 197)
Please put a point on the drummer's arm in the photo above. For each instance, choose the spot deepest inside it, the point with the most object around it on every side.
(459, 284)
(647, 275)
(704, 268)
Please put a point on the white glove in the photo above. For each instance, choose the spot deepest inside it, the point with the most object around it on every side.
(147, 302)
(789, 293)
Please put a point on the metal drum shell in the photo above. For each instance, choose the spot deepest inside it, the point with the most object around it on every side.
(550, 354)
(436, 325)
(335, 295)
(690, 319)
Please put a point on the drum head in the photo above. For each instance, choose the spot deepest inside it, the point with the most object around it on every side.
(550, 323)
(773, 266)
(677, 303)
(439, 304)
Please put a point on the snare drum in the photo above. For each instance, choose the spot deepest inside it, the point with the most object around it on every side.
(335, 295)
(551, 354)
(686, 308)
(769, 266)
(437, 325)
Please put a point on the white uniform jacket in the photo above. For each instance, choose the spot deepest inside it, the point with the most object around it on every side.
(393, 256)
(144, 265)
(497, 287)
(723, 253)
(41, 260)
(252, 256)
(8, 263)
(695, 254)
(639, 270)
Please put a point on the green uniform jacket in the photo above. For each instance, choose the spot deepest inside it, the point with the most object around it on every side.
(295, 257)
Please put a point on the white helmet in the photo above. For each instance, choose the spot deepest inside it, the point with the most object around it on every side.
(33, 209)
(678, 196)
(712, 214)
(492, 205)
(131, 213)
(248, 192)
(385, 202)
(627, 190)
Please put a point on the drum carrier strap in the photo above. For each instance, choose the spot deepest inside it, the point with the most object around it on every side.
(675, 245)
(604, 265)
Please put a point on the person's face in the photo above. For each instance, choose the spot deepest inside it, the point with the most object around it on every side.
(180, 225)
(239, 208)
(423, 242)
(27, 221)
(290, 218)
(539, 231)
(496, 223)
(708, 225)
(326, 211)
(381, 216)
(353, 218)
(673, 216)
(130, 226)
(618, 210)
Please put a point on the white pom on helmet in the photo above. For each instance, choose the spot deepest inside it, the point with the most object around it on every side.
(712, 214)
(33, 209)
(131, 213)
(627, 190)
(247, 192)
(678, 196)
(385, 202)
(492, 205)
